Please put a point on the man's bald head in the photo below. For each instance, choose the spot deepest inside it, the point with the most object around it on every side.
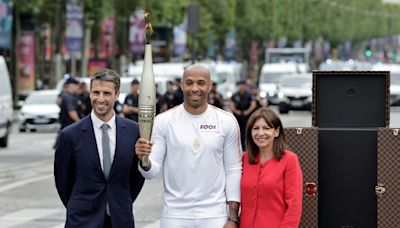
(196, 84)
(197, 69)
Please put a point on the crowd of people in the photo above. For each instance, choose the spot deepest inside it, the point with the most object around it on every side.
(219, 168)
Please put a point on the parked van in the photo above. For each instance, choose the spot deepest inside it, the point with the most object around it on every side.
(280, 55)
(227, 75)
(6, 103)
(270, 76)
(163, 72)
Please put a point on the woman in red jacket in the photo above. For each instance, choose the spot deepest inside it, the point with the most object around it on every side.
(271, 184)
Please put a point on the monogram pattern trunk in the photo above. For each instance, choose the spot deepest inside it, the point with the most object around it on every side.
(304, 142)
(388, 186)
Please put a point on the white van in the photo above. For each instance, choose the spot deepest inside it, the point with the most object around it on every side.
(270, 76)
(6, 103)
(163, 72)
(227, 75)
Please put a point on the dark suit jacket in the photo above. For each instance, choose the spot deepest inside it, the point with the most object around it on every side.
(80, 181)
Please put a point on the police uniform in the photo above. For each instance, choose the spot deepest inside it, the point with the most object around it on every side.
(68, 103)
(242, 102)
(132, 100)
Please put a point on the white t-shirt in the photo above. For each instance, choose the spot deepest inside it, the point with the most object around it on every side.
(201, 160)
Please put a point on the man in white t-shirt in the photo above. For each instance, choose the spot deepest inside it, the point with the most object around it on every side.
(198, 148)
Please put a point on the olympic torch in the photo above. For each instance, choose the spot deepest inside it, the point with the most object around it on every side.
(147, 96)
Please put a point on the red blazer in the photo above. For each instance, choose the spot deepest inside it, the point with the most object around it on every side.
(271, 193)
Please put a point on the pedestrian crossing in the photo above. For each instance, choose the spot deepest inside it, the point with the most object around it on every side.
(44, 218)
(34, 217)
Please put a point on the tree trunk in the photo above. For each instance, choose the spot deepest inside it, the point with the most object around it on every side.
(14, 53)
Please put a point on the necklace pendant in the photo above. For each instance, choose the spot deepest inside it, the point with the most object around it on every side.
(196, 143)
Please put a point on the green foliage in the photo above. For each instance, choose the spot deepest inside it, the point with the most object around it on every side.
(97, 9)
(262, 20)
(43, 10)
(222, 15)
(123, 9)
(336, 21)
(170, 12)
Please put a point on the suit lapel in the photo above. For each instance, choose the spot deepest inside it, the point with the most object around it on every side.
(121, 134)
(89, 141)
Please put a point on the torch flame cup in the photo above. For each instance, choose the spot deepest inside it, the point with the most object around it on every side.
(147, 100)
(148, 29)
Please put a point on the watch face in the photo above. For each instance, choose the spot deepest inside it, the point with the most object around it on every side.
(233, 219)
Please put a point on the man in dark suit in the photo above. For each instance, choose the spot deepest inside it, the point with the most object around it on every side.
(95, 167)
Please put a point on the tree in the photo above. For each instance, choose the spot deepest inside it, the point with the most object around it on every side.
(260, 20)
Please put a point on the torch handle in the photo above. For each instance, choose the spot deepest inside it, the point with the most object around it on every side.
(146, 119)
(145, 162)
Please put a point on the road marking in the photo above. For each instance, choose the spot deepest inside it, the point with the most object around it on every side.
(62, 225)
(25, 215)
(155, 224)
(25, 166)
(24, 182)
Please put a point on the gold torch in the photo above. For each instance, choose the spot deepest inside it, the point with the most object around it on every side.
(147, 97)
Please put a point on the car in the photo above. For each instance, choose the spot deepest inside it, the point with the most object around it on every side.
(39, 111)
(395, 89)
(271, 74)
(6, 103)
(394, 80)
(348, 65)
(295, 92)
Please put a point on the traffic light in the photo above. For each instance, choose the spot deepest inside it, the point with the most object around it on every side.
(394, 55)
(368, 52)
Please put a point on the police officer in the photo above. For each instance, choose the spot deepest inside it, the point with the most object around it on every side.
(242, 104)
(215, 98)
(131, 103)
(168, 97)
(69, 105)
(260, 101)
(84, 100)
(178, 94)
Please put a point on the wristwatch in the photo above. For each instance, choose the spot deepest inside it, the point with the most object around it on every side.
(234, 219)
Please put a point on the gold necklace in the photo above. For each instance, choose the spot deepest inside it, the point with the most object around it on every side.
(196, 140)
(196, 143)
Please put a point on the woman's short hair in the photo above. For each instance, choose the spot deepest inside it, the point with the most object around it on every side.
(273, 120)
